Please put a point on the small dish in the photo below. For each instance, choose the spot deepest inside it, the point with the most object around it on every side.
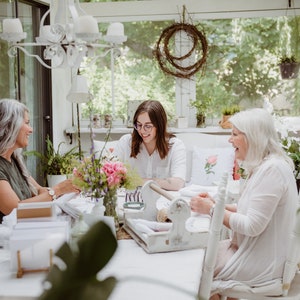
(133, 205)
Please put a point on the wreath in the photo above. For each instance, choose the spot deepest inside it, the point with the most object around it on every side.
(172, 64)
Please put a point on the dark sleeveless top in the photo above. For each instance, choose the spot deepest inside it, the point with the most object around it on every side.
(10, 171)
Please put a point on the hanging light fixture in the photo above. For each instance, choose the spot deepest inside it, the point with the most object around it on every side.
(79, 92)
(71, 37)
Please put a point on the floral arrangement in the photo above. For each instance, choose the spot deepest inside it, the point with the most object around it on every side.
(101, 177)
(292, 147)
(289, 143)
(211, 161)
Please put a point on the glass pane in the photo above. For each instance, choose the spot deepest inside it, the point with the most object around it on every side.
(242, 65)
(136, 75)
(242, 68)
(8, 66)
(22, 78)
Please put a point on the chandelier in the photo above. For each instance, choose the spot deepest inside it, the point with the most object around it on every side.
(71, 37)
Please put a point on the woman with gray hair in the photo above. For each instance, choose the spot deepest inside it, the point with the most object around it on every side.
(16, 184)
(264, 215)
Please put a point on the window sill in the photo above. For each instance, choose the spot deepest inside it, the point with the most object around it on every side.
(123, 130)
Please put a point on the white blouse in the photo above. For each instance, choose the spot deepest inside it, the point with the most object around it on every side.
(266, 214)
(152, 166)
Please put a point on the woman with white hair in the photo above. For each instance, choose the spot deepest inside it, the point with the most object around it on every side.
(16, 184)
(265, 212)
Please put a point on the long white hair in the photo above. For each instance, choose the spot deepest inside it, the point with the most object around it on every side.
(258, 127)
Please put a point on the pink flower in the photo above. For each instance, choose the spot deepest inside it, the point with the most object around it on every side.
(212, 160)
(115, 172)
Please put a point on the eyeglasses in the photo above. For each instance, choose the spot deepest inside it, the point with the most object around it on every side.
(146, 127)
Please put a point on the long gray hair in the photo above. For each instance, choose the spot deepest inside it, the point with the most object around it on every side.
(258, 127)
(12, 113)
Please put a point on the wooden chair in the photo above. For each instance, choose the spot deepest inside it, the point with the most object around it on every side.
(291, 275)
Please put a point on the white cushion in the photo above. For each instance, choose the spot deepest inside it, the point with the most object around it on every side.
(109, 147)
(209, 164)
(201, 140)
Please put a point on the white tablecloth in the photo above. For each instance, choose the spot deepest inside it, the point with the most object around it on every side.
(182, 269)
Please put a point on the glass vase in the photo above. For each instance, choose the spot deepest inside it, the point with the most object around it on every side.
(110, 203)
(96, 213)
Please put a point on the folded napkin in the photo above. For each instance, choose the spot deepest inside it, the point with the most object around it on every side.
(194, 190)
(146, 226)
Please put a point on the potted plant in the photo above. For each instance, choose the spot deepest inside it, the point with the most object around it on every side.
(289, 61)
(55, 164)
(201, 109)
(227, 112)
(291, 145)
(289, 67)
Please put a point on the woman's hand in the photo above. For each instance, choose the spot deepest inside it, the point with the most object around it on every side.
(202, 203)
(66, 187)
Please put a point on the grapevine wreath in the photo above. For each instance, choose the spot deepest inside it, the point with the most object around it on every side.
(173, 65)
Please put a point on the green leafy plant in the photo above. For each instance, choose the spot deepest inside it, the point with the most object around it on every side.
(78, 279)
(292, 148)
(53, 162)
(201, 105)
(230, 110)
(287, 59)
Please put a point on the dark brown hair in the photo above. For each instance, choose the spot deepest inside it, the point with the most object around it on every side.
(159, 120)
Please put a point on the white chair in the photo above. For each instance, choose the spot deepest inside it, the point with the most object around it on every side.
(291, 275)
(213, 240)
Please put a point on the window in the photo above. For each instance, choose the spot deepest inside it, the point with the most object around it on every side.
(23, 78)
(242, 68)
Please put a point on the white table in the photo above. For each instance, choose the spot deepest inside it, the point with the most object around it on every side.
(182, 269)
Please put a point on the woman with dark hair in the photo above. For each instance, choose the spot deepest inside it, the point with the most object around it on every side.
(155, 153)
(16, 184)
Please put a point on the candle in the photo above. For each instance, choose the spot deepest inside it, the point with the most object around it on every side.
(116, 29)
(86, 24)
(12, 26)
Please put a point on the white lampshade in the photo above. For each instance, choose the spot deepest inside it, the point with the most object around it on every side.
(86, 28)
(12, 26)
(115, 29)
(115, 33)
(79, 92)
(12, 30)
(86, 24)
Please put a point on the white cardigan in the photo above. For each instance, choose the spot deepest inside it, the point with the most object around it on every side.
(266, 214)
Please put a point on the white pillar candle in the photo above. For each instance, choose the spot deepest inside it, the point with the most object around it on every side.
(116, 29)
(86, 24)
(12, 26)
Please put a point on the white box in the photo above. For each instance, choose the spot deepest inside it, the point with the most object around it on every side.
(34, 240)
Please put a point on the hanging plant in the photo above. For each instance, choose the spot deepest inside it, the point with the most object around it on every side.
(289, 67)
(289, 60)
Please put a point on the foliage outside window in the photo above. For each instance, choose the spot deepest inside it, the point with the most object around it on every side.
(242, 68)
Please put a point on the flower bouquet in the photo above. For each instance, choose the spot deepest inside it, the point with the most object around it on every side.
(100, 178)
